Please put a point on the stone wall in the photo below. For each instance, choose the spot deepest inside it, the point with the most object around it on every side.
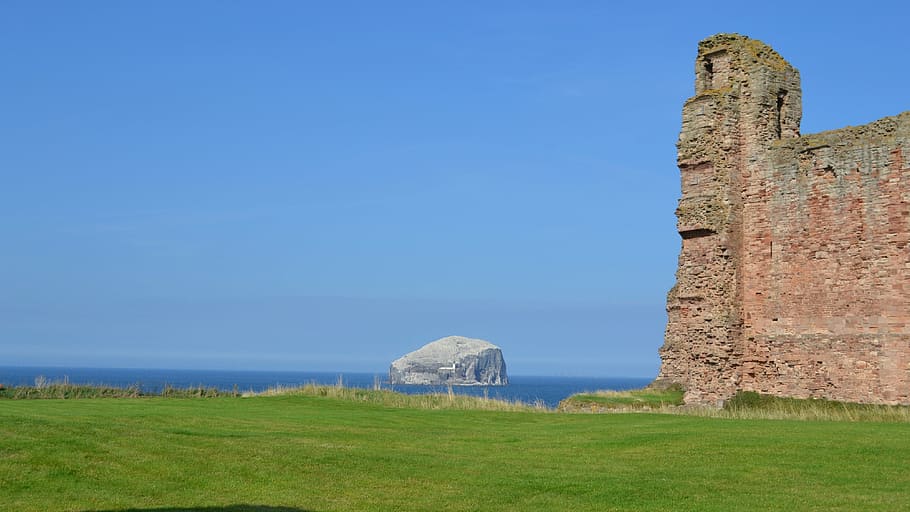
(794, 271)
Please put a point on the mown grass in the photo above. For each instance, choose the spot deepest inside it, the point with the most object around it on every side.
(306, 452)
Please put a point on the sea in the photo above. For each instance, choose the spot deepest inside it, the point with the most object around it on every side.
(546, 391)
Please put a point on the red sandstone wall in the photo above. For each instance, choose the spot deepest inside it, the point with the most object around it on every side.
(826, 266)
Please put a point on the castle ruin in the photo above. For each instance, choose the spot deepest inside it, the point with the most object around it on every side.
(794, 271)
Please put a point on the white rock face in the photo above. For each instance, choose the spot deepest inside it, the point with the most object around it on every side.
(452, 360)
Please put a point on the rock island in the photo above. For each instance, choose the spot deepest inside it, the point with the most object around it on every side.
(454, 360)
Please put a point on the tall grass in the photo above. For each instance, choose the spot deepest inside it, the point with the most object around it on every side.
(64, 389)
(744, 405)
(433, 401)
(751, 405)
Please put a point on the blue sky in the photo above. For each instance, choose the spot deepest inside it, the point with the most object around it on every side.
(328, 185)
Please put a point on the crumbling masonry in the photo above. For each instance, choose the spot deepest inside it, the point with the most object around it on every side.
(794, 272)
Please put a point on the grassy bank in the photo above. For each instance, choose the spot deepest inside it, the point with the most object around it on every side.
(306, 452)
(646, 399)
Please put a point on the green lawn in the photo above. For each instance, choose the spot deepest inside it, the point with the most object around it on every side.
(304, 453)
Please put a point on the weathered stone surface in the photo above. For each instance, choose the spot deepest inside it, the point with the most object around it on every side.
(452, 360)
(794, 272)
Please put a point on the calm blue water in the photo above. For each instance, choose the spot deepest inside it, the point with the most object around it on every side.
(549, 390)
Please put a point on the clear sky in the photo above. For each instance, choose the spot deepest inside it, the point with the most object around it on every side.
(305, 185)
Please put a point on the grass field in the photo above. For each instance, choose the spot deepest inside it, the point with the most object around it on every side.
(292, 453)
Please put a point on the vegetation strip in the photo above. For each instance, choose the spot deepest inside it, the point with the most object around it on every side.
(744, 405)
(448, 400)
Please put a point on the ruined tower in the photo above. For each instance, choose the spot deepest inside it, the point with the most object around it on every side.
(794, 271)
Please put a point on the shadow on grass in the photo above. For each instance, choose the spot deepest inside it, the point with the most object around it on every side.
(227, 508)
